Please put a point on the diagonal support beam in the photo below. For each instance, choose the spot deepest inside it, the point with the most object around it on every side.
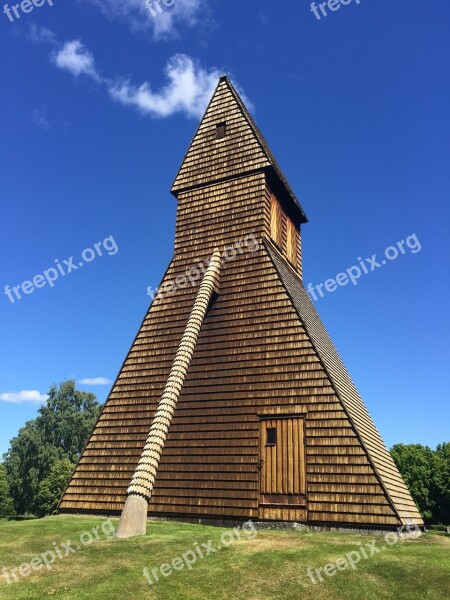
(134, 515)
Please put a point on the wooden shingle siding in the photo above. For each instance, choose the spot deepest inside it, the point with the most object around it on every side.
(209, 465)
(242, 150)
(208, 158)
(384, 466)
(261, 353)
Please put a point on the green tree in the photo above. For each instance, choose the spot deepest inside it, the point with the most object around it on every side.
(427, 474)
(441, 484)
(67, 418)
(60, 431)
(415, 463)
(52, 487)
(28, 460)
(6, 502)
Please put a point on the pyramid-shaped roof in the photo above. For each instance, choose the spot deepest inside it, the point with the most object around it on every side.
(243, 150)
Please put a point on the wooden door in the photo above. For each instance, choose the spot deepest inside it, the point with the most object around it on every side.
(282, 461)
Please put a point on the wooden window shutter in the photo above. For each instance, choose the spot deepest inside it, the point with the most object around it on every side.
(276, 222)
(291, 243)
(273, 218)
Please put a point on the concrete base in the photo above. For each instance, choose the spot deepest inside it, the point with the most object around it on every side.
(133, 520)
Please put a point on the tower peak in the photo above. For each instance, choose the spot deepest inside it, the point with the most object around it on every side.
(229, 144)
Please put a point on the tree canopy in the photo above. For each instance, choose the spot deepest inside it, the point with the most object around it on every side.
(59, 432)
(52, 487)
(427, 474)
(6, 502)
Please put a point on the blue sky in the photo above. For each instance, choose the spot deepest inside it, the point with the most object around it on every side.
(99, 102)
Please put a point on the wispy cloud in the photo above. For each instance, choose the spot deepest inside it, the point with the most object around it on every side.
(40, 35)
(75, 58)
(188, 91)
(23, 396)
(95, 381)
(39, 118)
(166, 19)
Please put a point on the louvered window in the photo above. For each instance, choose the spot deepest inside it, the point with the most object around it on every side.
(283, 231)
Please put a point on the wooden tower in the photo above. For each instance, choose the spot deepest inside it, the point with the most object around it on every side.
(268, 424)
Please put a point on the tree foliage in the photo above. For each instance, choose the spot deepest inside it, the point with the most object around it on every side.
(6, 501)
(28, 460)
(442, 483)
(52, 487)
(427, 474)
(67, 418)
(60, 431)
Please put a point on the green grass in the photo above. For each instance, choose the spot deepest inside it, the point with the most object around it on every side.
(270, 566)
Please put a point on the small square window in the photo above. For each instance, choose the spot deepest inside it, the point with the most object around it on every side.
(221, 130)
(271, 437)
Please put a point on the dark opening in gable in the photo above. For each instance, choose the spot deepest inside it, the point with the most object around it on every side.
(221, 130)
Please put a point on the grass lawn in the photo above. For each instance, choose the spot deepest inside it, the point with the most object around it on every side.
(270, 565)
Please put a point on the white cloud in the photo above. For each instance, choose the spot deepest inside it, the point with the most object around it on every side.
(161, 17)
(76, 59)
(188, 90)
(39, 35)
(95, 381)
(23, 396)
